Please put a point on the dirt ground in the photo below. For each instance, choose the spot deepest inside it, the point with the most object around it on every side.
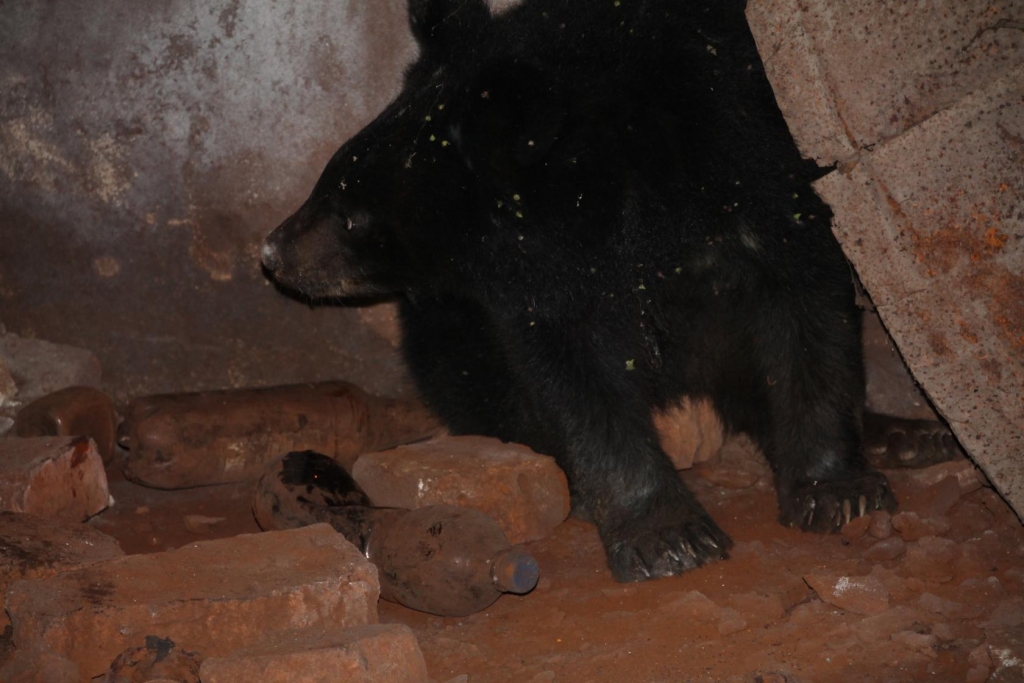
(955, 608)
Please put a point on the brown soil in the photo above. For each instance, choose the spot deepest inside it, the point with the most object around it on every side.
(956, 608)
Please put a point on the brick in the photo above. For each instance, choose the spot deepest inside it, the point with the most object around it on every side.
(56, 477)
(33, 548)
(524, 492)
(211, 597)
(384, 653)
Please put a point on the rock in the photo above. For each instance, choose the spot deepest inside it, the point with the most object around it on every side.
(882, 626)
(856, 528)
(693, 606)
(948, 608)
(213, 597)
(934, 501)
(758, 609)
(378, 653)
(524, 492)
(967, 476)
(860, 594)
(34, 547)
(39, 667)
(885, 550)
(1008, 614)
(690, 432)
(931, 559)
(40, 367)
(8, 387)
(980, 663)
(199, 524)
(881, 524)
(74, 411)
(159, 659)
(739, 465)
(921, 643)
(730, 621)
(912, 528)
(57, 477)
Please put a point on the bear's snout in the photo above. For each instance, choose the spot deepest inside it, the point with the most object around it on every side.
(270, 256)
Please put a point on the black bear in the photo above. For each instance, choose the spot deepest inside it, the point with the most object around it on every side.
(589, 209)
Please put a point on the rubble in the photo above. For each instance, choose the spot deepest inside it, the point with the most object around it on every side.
(860, 594)
(56, 477)
(524, 492)
(384, 653)
(213, 597)
(33, 547)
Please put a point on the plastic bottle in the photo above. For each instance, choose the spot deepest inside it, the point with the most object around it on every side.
(216, 437)
(440, 559)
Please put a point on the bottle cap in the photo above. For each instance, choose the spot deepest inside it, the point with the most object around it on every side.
(514, 571)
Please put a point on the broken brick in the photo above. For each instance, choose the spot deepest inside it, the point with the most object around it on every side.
(213, 597)
(32, 547)
(860, 594)
(886, 549)
(379, 653)
(912, 528)
(931, 559)
(524, 492)
(56, 477)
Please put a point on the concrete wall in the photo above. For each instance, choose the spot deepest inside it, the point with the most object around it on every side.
(146, 148)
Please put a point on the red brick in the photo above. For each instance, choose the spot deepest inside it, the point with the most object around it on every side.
(33, 548)
(365, 654)
(524, 492)
(57, 477)
(212, 597)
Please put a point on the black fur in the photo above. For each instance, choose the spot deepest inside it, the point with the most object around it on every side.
(591, 209)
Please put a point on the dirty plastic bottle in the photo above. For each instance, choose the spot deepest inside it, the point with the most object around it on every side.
(216, 437)
(439, 559)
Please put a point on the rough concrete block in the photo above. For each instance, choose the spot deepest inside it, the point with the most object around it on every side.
(212, 597)
(32, 547)
(41, 367)
(384, 653)
(56, 477)
(524, 492)
(927, 204)
(932, 222)
(851, 75)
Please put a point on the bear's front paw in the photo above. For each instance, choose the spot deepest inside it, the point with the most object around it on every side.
(655, 547)
(826, 506)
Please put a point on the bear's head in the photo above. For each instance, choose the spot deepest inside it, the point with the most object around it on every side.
(399, 204)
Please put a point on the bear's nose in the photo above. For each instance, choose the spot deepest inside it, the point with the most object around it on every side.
(270, 256)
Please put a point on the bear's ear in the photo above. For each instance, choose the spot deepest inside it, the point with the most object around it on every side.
(437, 24)
(513, 116)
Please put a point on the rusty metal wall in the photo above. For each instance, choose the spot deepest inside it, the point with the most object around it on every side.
(146, 148)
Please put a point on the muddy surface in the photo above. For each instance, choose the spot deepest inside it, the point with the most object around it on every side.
(948, 606)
